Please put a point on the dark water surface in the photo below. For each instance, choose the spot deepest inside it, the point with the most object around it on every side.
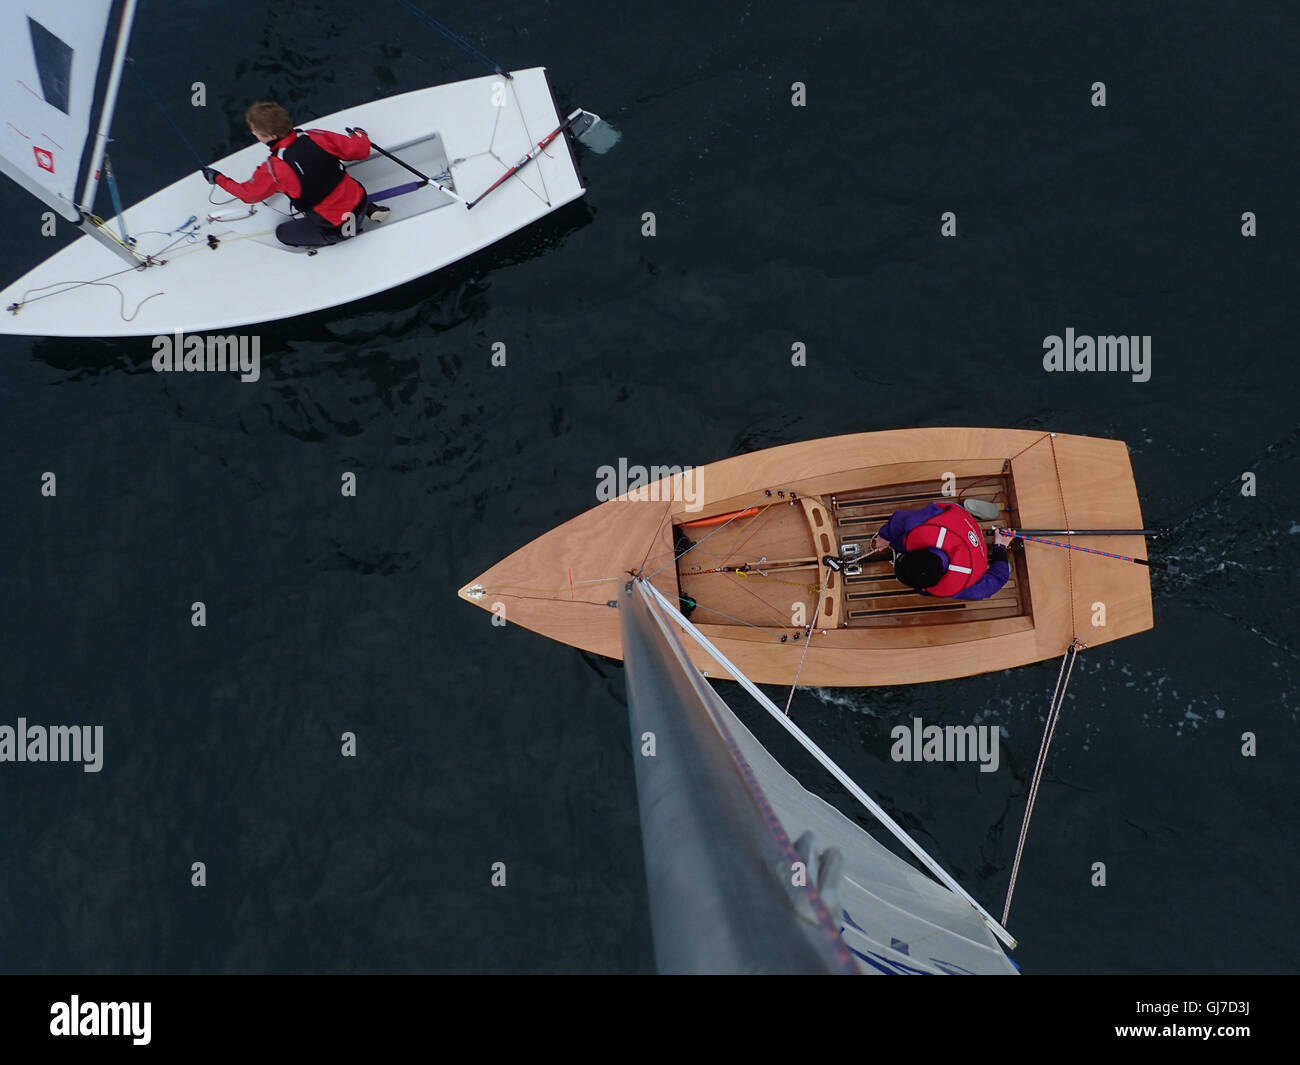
(775, 224)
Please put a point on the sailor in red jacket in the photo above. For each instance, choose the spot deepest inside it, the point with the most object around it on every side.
(939, 550)
(307, 167)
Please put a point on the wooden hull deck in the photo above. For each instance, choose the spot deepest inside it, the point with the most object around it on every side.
(758, 579)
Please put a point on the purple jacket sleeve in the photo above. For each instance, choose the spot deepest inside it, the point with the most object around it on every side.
(902, 522)
(991, 583)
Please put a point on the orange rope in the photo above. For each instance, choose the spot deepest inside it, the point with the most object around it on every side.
(1045, 436)
(771, 509)
(718, 519)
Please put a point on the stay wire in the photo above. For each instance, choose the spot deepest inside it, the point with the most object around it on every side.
(130, 62)
(454, 37)
(808, 634)
(1049, 731)
(678, 557)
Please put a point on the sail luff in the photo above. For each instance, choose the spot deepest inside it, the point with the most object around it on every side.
(110, 104)
(721, 873)
(806, 742)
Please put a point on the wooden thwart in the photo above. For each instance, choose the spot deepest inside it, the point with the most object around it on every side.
(878, 599)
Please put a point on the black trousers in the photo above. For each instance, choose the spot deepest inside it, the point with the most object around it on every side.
(313, 231)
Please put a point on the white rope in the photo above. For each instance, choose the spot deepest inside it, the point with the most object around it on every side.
(808, 637)
(826, 762)
(545, 195)
(492, 140)
(1049, 730)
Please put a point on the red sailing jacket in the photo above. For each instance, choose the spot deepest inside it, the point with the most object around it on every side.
(957, 535)
(275, 175)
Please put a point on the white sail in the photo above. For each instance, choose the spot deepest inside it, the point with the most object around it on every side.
(54, 90)
(891, 917)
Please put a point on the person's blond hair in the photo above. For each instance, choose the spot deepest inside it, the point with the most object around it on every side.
(266, 116)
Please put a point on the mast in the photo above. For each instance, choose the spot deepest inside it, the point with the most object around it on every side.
(718, 864)
(88, 224)
(110, 102)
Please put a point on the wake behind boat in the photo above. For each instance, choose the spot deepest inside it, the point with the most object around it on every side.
(192, 259)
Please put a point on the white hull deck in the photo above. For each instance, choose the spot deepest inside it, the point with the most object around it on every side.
(481, 127)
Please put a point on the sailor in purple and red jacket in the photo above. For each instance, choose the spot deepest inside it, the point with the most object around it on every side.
(307, 166)
(939, 550)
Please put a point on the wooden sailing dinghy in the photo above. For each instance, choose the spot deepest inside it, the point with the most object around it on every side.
(747, 541)
(193, 259)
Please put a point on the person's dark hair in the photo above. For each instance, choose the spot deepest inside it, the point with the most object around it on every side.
(918, 569)
(269, 117)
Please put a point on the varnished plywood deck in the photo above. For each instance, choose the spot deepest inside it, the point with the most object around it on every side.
(1068, 480)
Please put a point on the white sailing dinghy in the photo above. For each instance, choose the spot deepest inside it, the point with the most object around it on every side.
(749, 872)
(492, 155)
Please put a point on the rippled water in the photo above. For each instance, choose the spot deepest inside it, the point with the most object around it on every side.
(775, 224)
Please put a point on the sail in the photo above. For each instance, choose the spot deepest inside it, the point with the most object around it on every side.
(55, 89)
(722, 876)
(895, 919)
(890, 916)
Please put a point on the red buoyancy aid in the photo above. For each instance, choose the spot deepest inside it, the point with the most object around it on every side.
(319, 172)
(957, 535)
